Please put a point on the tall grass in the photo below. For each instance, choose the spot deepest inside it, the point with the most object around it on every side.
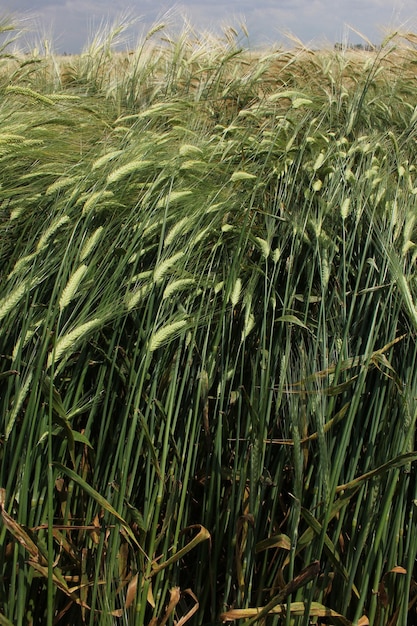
(207, 343)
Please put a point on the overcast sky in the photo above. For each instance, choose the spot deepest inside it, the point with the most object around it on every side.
(70, 24)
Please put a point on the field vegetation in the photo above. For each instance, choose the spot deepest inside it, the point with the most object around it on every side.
(208, 359)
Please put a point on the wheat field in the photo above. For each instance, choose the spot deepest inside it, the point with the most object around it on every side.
(208, 333)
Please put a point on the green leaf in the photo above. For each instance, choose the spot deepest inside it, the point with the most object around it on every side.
(400, 461)
(329, 546)
(101, 500)
(277, 541)
(291, 319)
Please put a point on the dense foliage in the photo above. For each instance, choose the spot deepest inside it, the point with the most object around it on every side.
(208, 334)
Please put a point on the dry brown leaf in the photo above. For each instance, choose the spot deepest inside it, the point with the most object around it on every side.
(23, 536)
(242, 527)
(202, 535)
(193, 609)
(95, 534)
(59, 582)
(277, 541)
(296, 608)
(175, 596)
(123, 560)
(382, 594)
(382, 590)
(149, 596)
(131, 591)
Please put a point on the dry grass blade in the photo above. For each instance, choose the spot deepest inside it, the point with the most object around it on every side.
(202, 535)
(174, 598)
(102, 502)
(131, 591)
(254, 615)
(192, 611)
(25, 538)
(295, 609)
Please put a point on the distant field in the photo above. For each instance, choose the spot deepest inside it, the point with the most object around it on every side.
(208, 351)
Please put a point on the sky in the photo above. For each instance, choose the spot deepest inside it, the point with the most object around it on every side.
(69, 25)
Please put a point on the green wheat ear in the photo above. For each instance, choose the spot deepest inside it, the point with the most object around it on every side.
(128, 169)
(51, 230)
(163, 335)
(106, 158)
(9, 302)
(91, 243)
(65, 344)
(72, 286)
(164, 266)
(176, 286)
(236, 292)
(30, 93)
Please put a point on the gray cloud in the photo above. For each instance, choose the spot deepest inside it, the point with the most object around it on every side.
(71, 23)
